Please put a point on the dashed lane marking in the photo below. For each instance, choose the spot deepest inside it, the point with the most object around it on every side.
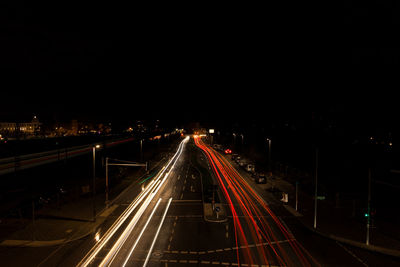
(227, 249)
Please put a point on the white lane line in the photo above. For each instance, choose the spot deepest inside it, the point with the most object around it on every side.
(352, 254)
(141, 232)
(158, 231)
(120, 220)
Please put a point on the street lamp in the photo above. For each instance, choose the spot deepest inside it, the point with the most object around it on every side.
(234, 139)
(94, 180)
(141, 149)
(316, 189)
(242, 138)
(269, 154)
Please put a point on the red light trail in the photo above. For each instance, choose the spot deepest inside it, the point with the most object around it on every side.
(266, 235)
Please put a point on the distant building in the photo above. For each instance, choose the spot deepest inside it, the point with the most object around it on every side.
(11, 128)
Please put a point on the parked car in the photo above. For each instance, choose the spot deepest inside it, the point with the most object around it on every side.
(237, 159)
(250, 167)
(261, 179)
(242, 163)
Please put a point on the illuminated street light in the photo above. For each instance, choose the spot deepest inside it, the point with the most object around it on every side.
(269, 154)
(94, 180)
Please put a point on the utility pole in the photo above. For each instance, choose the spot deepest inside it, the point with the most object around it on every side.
(297, 195)
(107, 182)
(316, 188)
(269, 154)
(94, 182)
(141, 149)
(369, 207)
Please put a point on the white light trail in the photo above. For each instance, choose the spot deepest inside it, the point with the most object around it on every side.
(154, 186)
(158, 231)
(141, 233)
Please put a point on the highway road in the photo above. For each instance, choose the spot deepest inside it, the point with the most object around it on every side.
(262, 236)
(165, 225)
(162, 223)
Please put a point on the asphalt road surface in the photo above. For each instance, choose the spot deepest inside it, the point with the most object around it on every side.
(161, 223)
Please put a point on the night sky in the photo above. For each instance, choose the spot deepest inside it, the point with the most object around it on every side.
(195, 63)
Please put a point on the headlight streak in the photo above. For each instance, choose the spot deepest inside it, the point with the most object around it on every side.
(141, 233)
(258, 225)
(156, 184)
(158, 231)
(121, 240)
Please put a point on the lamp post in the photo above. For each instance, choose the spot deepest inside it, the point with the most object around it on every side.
(107, 202)
(269, 154)
(234, 139)
(369, 208)
(316, 188)
(141, 149)
(94, 180)
(242, 138)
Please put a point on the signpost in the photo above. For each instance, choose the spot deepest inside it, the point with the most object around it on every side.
(125, 163)
(217, 210)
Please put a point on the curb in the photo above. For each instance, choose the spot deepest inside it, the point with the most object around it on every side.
(213, 219)
(372, 248)
(204, 204)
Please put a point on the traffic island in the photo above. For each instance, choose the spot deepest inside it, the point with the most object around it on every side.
(218, 214)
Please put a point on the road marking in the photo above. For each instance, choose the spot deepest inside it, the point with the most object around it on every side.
(141, 233)
(352, 254)
(158, 231)
(209, 262)
(227, 249)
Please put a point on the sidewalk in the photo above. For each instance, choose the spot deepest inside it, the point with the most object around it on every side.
(72, 221)
(336, 223)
